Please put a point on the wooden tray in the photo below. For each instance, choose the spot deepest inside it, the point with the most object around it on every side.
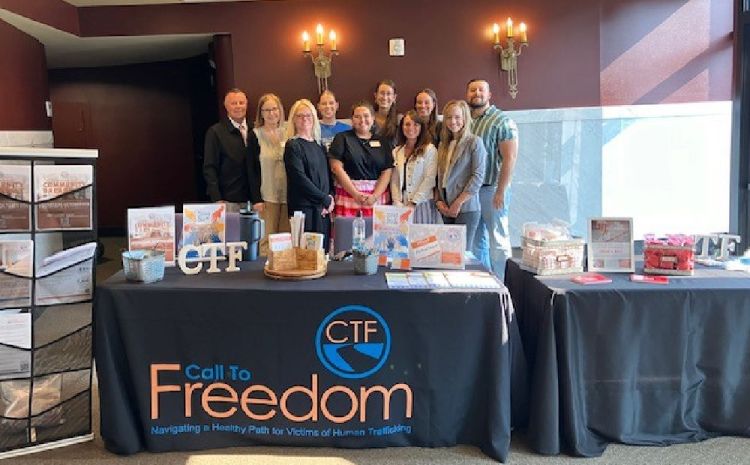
(295, 275)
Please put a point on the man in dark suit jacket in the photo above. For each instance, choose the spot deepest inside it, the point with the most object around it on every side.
(231, 176)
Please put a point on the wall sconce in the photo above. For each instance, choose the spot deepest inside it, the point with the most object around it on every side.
(510, 52)
(321, 62)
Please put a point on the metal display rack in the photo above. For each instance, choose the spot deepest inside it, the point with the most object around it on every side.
(48, 405)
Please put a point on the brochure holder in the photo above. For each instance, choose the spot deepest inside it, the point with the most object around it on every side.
(45, 386)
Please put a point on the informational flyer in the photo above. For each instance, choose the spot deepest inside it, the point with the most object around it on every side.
(437, 246)
(16, 260)
(15, 342)
(66, 276)
(15, 197)
(152, 229)
(390, 227)
(64, 197)
(610, 245)
(202, 224)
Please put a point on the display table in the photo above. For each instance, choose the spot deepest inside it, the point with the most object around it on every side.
(634, 363)
(232, 359)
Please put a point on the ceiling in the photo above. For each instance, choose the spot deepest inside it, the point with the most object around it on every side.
(66, 50)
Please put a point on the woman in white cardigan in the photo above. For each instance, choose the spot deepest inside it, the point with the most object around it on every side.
(415, 174)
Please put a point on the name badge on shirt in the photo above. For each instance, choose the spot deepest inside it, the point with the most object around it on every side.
(375, 143)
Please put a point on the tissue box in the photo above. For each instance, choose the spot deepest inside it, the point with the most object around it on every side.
(669, 259)
(546, 257)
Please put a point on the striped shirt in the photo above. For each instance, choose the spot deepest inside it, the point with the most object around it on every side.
(493, 126)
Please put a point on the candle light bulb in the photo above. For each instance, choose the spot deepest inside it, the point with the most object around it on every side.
(305, 41)
(496, 33)
(319, 34)
(522, 30)
(509, 28)
(332, 39)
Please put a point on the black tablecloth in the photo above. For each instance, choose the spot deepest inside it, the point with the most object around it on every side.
(450, 361)
(634, 363)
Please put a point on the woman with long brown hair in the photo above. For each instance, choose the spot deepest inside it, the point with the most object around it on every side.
(415, 169)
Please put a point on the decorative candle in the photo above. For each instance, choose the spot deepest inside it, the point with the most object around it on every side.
(332, 40)
(496, 33)
(522, 30)
(305, 42)
(319, 34)
(509, 28)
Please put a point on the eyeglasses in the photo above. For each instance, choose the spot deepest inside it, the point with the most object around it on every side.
(269, 110)
(303, 115)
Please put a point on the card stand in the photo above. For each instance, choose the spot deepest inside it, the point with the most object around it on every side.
(52, 398)
(71, 211)
(15, 214)
(74, 283)
(15, 290)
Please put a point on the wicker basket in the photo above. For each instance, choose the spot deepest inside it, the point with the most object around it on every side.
(145, 266)
(553, 257)
(296, 263)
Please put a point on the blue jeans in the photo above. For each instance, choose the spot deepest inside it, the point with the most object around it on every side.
(492, 240)
(470, 219)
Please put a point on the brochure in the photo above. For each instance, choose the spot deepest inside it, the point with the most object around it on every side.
(591, 278)
(201, 224)
(62, 200)
(15, 197)
(646, 279)
(16, 258)
(443, 280)
(66, 276)
(152, 229)
(15, 331)
(390, 227)
(437, 246)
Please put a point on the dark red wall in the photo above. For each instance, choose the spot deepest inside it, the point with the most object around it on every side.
(141, 120)
(581, 53)
(56, 13)
(23, 81)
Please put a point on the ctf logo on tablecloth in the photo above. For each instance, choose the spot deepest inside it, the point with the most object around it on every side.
(353, 341)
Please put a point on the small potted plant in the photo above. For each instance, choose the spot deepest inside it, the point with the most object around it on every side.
(365, 261)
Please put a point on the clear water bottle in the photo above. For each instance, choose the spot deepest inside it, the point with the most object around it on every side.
(358, 232)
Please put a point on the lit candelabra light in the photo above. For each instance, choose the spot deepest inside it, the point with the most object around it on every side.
(320, 58)
(510, 51)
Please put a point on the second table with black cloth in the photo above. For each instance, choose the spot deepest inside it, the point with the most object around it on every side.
(634, 363)
(449, 358)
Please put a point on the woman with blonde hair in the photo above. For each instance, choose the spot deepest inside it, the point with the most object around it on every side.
(310, 189)
(361, 162)
(415, 169)
(461, 165)
(270, 134)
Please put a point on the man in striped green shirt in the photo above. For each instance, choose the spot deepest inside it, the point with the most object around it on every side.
(500, 136)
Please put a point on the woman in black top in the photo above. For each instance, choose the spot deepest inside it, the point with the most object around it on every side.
(309, 187)
(361, 163)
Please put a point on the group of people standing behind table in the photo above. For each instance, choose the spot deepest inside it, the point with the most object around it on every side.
(457, 171)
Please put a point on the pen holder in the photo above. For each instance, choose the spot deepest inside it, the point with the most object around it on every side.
(365, 263)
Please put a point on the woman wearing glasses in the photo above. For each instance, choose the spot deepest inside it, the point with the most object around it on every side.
(271, 136)
(310, 188)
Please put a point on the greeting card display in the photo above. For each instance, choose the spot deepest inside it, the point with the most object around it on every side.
(152, 229)
(64, 197)
(201, 224)
(15, 197)
(16, 260)
(610, 245)
(390, 226)
(437, 246)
